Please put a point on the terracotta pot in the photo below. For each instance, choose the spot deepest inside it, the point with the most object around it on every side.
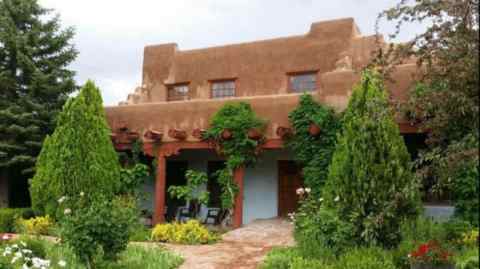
(113, 137)
(430, 266)
(133, 135)
(314, 129)
(226, 134)
(254, 134)
(198, 133)
(153, 135)
(122, 127)
(177, 134)
(284, 132)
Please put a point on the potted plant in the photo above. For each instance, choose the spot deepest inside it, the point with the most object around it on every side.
(227, 134)
(254, 134)
(431, 255)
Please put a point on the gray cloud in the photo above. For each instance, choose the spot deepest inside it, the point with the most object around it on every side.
(111, 34)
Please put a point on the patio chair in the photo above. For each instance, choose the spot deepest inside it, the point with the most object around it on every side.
(183, 214)
(190, 212)
(214, 215)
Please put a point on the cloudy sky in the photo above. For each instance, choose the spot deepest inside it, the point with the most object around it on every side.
(111, 34)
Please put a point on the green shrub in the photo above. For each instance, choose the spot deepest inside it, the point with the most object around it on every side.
(101, 230)
(466, 192)
(421, 230)
(370, 183)
(8, 217)
(191, 232)
(322, 233)
(141, 234)
(280, 258)
(78, 157)
(468, 259)
(365, 258)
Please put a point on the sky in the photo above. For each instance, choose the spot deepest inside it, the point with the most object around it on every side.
(111, 34)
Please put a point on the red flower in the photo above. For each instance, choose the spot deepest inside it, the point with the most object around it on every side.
(423, 249)
(431, 252)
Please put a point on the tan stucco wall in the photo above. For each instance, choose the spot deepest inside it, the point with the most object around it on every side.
(260, 67)
(334, 48)
(162, 116)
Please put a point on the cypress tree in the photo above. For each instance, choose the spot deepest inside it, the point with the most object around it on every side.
(78, 156)
(370, 182)
(34, 80)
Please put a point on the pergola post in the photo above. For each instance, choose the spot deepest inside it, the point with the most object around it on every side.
(238, 176)
(160, 190)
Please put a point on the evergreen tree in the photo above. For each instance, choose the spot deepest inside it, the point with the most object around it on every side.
(78, 157)
(34, 79)
(370, 183)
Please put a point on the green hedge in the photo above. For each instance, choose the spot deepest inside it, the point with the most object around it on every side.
(9, 215)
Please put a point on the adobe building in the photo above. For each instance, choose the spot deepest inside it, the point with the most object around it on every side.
(182, 89)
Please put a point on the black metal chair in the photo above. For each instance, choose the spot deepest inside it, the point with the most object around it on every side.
(213, 214)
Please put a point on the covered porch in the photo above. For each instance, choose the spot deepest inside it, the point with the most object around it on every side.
(265, 191)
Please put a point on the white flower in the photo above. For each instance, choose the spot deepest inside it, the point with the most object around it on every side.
(14, 259)
(337, 199)
(82, 193)
(321, 199)
(62, 199)
(25, 266)
(300, 191)
(409, 256)
(308, 190)
(67, 211)
(62, 263)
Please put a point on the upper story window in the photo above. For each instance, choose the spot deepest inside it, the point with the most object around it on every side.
(303, 82)
(222, 89)
(178, 92)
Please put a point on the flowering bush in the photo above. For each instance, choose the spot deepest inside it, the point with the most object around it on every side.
(97, 229)
(191, 232)
(430, 253)
(37, 225)
(25, 256)
(471, 238)
(318, 230)
(9, 215)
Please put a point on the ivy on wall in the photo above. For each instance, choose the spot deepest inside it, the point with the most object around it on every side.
(238, 134)
(313, 152)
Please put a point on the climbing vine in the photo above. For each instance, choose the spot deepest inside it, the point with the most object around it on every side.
(313, 151)
(238, 134)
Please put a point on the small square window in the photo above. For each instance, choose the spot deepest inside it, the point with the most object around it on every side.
(178, 92)
(222, 89)
(305, 82)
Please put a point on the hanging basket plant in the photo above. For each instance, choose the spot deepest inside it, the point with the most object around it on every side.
(237, 134)
(227, 134)
(254, 134)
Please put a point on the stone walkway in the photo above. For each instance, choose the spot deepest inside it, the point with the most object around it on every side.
(243, 248)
